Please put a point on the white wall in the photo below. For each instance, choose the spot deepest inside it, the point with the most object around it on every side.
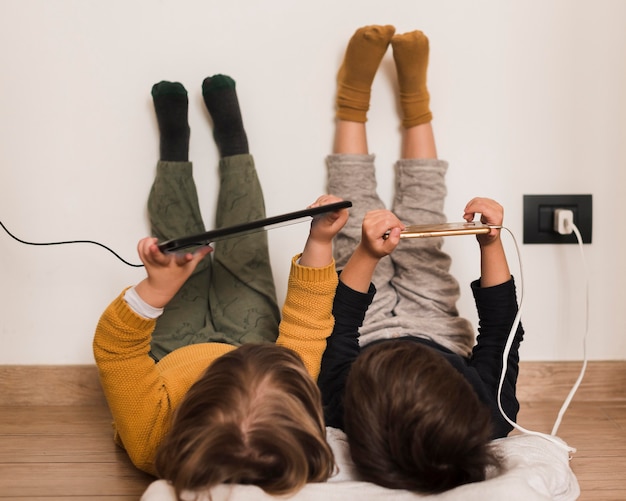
(529, 97)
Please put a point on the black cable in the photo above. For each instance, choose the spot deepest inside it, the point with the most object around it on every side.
(71, 242)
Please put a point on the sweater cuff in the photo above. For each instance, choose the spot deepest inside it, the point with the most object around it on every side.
(497, 299)
(121, 309)
(308, 274)
(506, 289)
(356, 297)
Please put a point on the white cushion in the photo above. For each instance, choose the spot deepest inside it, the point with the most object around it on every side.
(534, 469)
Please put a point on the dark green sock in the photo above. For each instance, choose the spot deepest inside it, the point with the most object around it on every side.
(171, 106)
(221, 100)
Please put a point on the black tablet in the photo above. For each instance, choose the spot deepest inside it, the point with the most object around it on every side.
(178, 244)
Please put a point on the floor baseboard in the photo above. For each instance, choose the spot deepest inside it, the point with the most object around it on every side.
(50, 385)
(79, 384)
(604, 380)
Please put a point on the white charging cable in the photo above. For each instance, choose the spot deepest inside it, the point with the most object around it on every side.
(565, 223)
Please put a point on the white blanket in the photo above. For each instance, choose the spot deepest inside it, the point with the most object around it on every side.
(534, 469)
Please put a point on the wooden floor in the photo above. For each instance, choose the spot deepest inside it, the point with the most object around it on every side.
(56, 440)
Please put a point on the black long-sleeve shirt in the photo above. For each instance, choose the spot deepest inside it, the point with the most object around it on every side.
(497, 308)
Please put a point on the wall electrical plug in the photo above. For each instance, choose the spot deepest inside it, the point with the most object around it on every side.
(563, 221)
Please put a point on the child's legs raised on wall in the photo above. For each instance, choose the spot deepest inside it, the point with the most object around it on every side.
(174, 212)
(427, 292)
(353, 177)
(242, 292)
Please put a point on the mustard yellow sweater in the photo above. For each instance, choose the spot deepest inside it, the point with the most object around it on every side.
(142, 395)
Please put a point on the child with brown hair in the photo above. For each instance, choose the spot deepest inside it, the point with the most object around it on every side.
(402, 373)
(204, 384)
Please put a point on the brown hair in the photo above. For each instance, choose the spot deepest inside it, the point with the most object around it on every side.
(413, 422)
(254, 417)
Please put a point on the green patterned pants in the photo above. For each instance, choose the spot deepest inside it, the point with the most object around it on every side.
(231, 297)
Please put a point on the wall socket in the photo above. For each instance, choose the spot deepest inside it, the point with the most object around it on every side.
(539, 218)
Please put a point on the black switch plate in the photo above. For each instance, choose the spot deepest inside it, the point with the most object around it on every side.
(539, 216)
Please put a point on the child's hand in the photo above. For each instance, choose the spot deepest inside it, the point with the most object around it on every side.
(380, 233)
(494, 269)
(325, 226)
(491, 213)
(166, 272)
(318, 250)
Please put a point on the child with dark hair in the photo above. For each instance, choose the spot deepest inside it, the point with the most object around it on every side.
(402, 373)
(204, 384)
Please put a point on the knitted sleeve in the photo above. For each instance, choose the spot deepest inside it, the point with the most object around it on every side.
(142, 394)
(497, 308)
(307, 318)
(342, 349)
(130, 381)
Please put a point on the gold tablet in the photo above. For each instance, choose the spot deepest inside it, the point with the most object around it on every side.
(444, 230)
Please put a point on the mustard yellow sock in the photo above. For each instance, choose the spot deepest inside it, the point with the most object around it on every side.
(363, 55)
(410, 52)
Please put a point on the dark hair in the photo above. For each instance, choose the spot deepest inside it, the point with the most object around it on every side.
(413, 422)
(253, 417)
